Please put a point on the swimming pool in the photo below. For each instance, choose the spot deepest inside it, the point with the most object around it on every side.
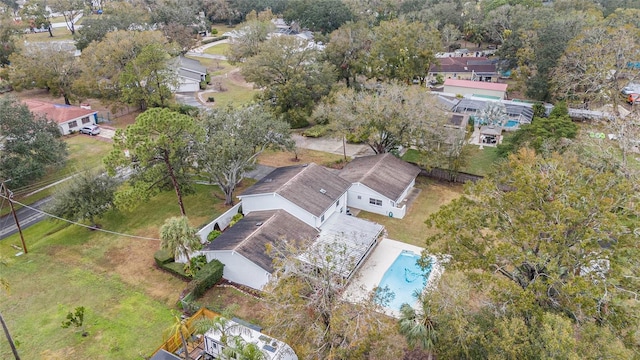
(404, 277)
(511, 123)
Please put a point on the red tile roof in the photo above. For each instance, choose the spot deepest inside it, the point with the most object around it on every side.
(463, 65)
(59, 113)
(476, 84)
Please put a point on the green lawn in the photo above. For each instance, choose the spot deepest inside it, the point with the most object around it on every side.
(412, 229)
(128, 300)
(220, 49)
(58, 34)
(233, 94)
(479, 162)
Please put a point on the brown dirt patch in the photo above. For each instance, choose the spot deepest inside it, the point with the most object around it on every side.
(236, 77)
(248, 307)
(285, 158)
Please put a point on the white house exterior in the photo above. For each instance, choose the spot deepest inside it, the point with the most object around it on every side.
(69, 118)
(190, 74)
(310, 192)
(380, 184)
(242, 247)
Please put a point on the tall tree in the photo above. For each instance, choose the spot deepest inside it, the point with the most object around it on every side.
(347, 49)
(102, 63)
(387, 117)
(550, 234)
(403, 51)
(179, 328)
(158, 150)
(36, 12)
(234, 138)
(310, 313)
(85, 197)
(57, 74)
(70, 10)
(29, 145)
(179, 238)
(148, 80)
(9, 33)
(321, 16)
(292, 75)
(250, 35)
(418, 327)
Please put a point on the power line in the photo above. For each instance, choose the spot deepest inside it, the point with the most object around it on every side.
(79, 224)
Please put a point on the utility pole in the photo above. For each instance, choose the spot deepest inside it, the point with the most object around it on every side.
(8, 196)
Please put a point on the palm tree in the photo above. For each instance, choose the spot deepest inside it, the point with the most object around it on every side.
(235, 346)
(4, 285)
(178, 237)
(418, 327)
(240, 349)
(179, 326)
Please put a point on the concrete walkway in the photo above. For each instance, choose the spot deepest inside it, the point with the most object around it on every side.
(199, 51)
(331, 145)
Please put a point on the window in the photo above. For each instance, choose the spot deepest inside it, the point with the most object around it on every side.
(338, 203)
(359, 197)
(375, 202)
(73, 124)
(322, 218)
(85, 120)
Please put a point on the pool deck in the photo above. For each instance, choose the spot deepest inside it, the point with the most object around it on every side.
(372, 271)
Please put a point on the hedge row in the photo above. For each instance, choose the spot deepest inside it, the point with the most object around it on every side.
(163, 256)
(208, 41)
(164, 259)
(208, 276)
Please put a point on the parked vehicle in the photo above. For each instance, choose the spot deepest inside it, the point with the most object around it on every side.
(633, 98)
(90, 130)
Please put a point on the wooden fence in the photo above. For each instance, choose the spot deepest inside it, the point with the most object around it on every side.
(174, 342)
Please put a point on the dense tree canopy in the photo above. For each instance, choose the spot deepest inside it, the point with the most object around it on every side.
(157, 151)
(292, 76)
(57, 74)
(29, 144)
(321, 16)
(234, 138)
(553, 234)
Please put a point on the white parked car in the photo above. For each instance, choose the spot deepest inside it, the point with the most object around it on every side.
(90, 130)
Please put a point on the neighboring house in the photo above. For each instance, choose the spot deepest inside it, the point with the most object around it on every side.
(380, 184)
(518, 112)
(476, 88)
(309, 192)
(242, 248)
(190, 74)
(271, 348)
(69, 118)
(465, 68)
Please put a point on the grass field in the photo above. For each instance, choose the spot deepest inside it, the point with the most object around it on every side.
(412, 228)
(220, 49)
(232, 95)
(305, 156)
(479, 163)
(128, 300)
(59, 34)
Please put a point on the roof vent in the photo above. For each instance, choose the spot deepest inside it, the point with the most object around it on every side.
(323, 191)
(259, 223)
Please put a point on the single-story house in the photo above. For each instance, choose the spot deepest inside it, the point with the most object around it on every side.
(380, 184)
(465, 68)
(242, 248)
(477, 88)
(490, 135)
(518, 112)
(309, 192)
(69, 118)
(190, 74)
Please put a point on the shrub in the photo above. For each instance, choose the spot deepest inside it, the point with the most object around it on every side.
(211, 99)
(208, 41)
(208, 276)
(214, 31)
(207, 78)
(353, 139)
(163, 256)
(213, 235)
(176, 268)
(203, 85)
(195, 264)
(316, 131)
(235, 219)
(439, 79)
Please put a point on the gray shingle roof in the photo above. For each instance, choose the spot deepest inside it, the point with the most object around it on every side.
(250, 235)
(383, 173)
(311, 187)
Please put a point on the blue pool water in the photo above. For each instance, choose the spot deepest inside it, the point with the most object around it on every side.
(511, 123)
(403, 278)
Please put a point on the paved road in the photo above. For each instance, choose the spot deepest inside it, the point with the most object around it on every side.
(27, 217)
